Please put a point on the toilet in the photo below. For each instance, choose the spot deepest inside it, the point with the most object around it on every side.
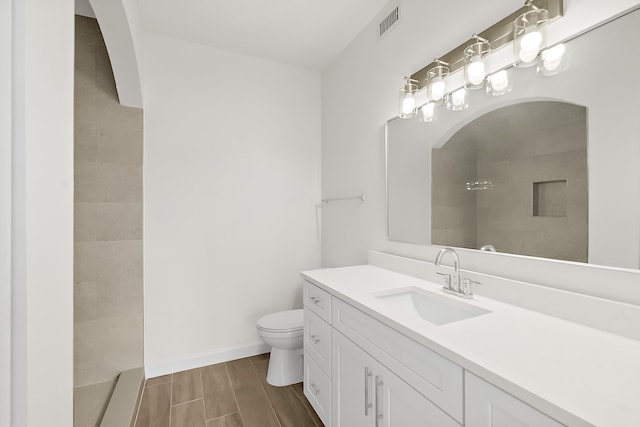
(283, 331)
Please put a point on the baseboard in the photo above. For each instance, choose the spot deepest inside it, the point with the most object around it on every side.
(156, 369)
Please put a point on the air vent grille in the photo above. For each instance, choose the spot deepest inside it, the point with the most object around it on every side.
(389, 21)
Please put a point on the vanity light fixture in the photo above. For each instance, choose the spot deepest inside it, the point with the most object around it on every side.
(457, 100)
(408, 99)
(474, 58)
(499, 83)
(553, 60)
(525, 28)
(436, 80)
(428, 112)
(529, 34)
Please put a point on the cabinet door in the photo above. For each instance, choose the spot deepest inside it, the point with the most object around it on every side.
(399, 405)
(352, 384)
(488, 406)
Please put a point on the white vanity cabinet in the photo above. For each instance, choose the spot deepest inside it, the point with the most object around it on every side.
(367, 394)
(488, 406)
(360, 372)
(317, 350)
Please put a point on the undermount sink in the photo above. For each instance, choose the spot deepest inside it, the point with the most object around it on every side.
(434, 308)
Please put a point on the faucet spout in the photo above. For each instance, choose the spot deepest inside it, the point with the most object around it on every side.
(455, 283)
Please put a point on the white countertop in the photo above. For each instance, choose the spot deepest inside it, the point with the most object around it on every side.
(578, 375)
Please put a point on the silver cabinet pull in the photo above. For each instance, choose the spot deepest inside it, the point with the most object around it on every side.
(314, 389)
(367, 405)
(315, 300)
(315, 339)
(378, 404)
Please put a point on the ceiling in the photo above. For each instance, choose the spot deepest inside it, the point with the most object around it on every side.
(306, 33)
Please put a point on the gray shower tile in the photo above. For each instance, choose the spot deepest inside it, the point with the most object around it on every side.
(118, 221)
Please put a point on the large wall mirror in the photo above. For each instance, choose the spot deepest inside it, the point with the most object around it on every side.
(551, 169)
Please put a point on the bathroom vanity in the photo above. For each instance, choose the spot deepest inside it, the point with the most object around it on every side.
(383, 348)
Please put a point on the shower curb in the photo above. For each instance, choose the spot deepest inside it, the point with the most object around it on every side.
(125, 400)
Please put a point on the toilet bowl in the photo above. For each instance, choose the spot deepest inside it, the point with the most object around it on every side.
(283, 331)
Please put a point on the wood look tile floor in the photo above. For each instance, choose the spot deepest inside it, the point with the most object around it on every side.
(231, 394)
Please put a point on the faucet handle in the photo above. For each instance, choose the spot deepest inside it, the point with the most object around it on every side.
(447, 279)
(466, 285)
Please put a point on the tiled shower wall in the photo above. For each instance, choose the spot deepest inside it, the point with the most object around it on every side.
(515, 148)
(108, 218)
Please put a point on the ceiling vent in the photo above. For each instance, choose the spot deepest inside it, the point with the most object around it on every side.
(389, 21)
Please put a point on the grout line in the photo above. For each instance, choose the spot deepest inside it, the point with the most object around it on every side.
(188, 401)
(308, 408)
(265, 393)
(233, 389)
(144, 388)
(156, 385)
(170, 402)
(224, 416)
(204, 406)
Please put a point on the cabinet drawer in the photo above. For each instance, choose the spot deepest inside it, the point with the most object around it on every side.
(318, 300)
(488, 406)
(436, 378)
(317, 340)
(317, 389)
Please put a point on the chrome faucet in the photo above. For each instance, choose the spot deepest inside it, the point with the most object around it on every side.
(451, 285)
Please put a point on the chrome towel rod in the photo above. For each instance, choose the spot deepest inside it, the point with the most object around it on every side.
(336, 199)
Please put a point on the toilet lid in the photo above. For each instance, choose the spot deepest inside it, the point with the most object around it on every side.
(282, 321)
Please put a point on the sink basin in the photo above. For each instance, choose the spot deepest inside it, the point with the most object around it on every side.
(434, 308)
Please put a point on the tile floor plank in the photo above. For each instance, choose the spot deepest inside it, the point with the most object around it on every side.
(285, 401)
(231, 420)
(219, 398)
(190, 414)
(255, 408)
(187, 386)
(158, 380)
(237, 388)
(299, 389)
(155, 406)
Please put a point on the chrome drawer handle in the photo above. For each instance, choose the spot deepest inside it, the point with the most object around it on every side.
(315, 339)
(315, 300)
(367, 405)
(378, 405)
(314, 389)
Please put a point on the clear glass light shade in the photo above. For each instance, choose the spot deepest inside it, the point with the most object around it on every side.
(457, 100)
(553, 60)
(475, 71)
(437, 85)
(529, 36)
(475, 67)
(499, 83)
(407, 101)
(428, 112)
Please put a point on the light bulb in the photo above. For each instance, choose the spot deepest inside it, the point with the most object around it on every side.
(531, 41)
(499, 81)
(436, 89)
(530, 46)
(458, 97)
(408, 104)
(552, 58)
(428, 112)
(475, 70)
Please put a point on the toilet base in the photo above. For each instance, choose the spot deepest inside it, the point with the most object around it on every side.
(285, 367)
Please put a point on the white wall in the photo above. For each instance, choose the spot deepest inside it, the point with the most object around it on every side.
(360, 90)
(231, 180)
(42, 212)
(5, 211)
